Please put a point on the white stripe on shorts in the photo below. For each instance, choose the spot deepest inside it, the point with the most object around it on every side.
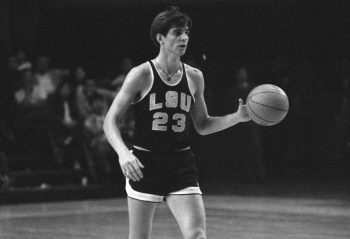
(158, 198)
(141, 196)
(188, 190)
(143, 149)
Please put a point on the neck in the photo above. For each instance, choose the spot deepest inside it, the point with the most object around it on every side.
(169, 63)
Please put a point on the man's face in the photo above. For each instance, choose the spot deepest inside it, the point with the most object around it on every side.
(176, 40)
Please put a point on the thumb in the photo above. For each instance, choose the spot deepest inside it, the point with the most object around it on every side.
(240, 102)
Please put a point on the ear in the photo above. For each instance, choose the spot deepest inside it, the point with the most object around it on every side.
(159, 38)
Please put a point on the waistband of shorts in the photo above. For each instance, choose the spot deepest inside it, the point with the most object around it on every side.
(162, 152)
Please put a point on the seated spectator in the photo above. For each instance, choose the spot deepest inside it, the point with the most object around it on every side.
(27, 94)
(85, 91)
(46, 79)
(78, 76)
(101, 154)
(125, 66)
(31, 119)
(65, 130)
(11, 80)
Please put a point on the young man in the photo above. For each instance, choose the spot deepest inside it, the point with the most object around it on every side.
(165, 93)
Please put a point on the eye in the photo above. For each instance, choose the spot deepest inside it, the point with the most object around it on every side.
(177, 32)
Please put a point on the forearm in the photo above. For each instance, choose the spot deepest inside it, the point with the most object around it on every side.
(213, 124)
(114, 137)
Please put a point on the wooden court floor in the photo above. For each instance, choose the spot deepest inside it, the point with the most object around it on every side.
(228, 216)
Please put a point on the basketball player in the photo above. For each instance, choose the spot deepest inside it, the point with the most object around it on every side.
(165, 93)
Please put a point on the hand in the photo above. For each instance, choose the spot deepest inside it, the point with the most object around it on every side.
(131, 166)
(243, 112)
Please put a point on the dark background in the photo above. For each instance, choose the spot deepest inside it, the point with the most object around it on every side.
(304, 41)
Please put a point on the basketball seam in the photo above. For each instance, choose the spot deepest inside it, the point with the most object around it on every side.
(258, 115)
(274, 92)
(275, 108)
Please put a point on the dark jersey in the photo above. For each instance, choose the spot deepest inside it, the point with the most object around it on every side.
(162, 115)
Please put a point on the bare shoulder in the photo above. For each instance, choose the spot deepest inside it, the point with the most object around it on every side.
(194, 73)
(141, 71)
(139, 76)
(195, 79)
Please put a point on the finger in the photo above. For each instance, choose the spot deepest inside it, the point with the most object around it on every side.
(134, 176)
(139, 163)
(126, 172)
(240, 102)
(137, 170)
(132, 173)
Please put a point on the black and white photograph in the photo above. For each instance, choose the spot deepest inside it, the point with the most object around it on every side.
(170, 119)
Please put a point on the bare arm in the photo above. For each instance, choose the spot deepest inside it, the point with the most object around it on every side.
(203, 122)
(133, 84)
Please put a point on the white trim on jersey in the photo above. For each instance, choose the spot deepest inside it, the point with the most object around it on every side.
(151, 85)
(188, 84)
(165, 82)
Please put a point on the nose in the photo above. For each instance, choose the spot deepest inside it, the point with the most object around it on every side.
(184, 36)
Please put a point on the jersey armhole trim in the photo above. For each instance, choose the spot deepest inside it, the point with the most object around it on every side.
(188, 85)
(150, 87)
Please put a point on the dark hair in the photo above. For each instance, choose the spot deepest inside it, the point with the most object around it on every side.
(172, 16)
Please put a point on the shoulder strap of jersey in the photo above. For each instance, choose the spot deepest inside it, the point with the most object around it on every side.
(155, 72)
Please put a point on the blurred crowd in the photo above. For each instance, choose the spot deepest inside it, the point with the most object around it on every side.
(59, 112)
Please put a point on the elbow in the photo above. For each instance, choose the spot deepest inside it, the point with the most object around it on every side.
(107, 125)
(202, 127)
(202, 130)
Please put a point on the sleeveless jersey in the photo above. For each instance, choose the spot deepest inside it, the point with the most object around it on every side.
(162, 115)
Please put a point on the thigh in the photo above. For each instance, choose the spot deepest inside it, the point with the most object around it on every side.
(140, 218)
(189, 212)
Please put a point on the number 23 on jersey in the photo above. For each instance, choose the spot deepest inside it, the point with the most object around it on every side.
(172, 100)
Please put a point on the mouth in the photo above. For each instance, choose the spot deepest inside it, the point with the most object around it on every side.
(182, 46)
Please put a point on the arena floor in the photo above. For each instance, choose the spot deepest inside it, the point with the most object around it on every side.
(228, 216)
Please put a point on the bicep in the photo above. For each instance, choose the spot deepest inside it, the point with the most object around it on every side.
(199, 112)
(125, 96)
(120, 104)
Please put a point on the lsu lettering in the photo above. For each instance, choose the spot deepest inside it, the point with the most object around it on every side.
(173, 99)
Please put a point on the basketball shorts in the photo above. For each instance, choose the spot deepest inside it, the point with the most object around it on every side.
(164, 174)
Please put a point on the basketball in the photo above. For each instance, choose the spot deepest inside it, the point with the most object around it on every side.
(267, 104)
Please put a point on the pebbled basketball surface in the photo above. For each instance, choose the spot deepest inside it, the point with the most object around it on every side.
(268, 104)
